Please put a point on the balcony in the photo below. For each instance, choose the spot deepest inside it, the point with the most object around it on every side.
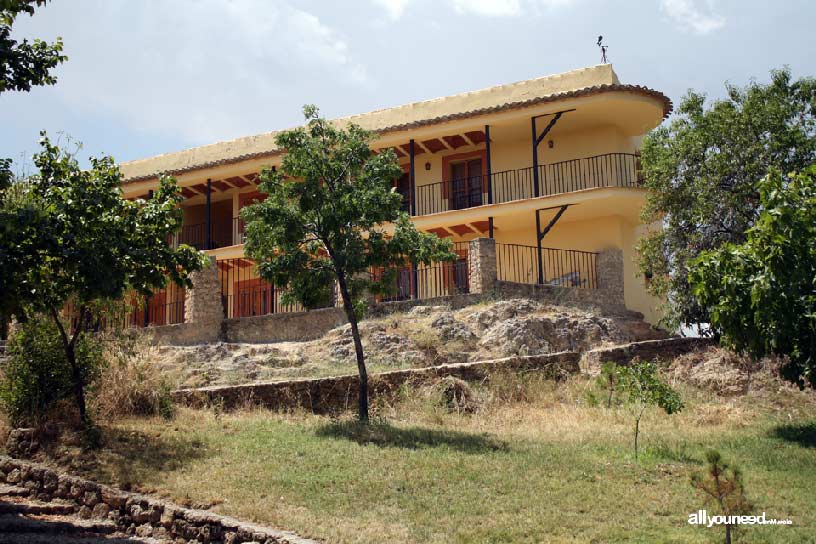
(608, 170)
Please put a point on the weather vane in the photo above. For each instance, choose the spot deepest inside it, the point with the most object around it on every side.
(603, 50)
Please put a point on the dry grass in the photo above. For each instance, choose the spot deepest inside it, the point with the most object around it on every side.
(532, 461)
(129, 384)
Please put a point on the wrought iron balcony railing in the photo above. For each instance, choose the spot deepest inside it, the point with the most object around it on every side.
(608, 170)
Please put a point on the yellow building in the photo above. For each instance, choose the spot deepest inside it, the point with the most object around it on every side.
(547, 167)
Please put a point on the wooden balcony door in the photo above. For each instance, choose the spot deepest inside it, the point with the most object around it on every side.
(465, 184)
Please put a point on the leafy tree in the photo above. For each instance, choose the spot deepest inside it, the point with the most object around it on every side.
(722, 486)
(333, 223)
(642, 388)
(35, 376)
(762, 292)
(702, 170)
(72, 238)
(25, 64)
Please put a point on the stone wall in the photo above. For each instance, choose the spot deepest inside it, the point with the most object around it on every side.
(609, 267)
(202, 306)
(138, 515)
(336, 394)
(600, 300)
(662, 350)
(283, 327)
(482, 265)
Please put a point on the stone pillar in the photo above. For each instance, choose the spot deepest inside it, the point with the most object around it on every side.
(609, 268)
(202, 305)
(482, 265)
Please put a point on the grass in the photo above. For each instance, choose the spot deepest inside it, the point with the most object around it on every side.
(535, 463)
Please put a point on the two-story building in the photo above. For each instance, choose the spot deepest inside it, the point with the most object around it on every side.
(547, 167)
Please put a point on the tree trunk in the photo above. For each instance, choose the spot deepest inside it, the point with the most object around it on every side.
(358, 348)
(637, 431)
(70, 356)
(79, 386)
(727, 533)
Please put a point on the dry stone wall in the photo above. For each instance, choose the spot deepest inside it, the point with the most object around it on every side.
(336, 394)
(135, 514)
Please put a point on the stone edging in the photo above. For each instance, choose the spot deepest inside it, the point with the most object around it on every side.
(334, 394)
(136, 514)
(648, 349)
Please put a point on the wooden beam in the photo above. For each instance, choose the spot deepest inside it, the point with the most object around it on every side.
(434, 145)
(186, 192)
(441, 232)
(475, 136)
(238, 181)
(456, 141)
(461, 229)
(220, 185)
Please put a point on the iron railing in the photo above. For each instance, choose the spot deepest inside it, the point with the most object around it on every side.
(562, 267)
(245, 294)
(164, 307)
(608, 170)
(196, 235)
(430, 281)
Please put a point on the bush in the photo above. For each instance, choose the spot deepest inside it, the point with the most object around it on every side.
(129, 384)
(36, 374)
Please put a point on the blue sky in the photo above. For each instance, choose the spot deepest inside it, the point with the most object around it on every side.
(153, 76)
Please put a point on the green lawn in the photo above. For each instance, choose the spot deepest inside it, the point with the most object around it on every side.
(535, 466)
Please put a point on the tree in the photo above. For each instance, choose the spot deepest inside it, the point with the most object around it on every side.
(702, 171)
(332, 223)
(722, 485)
(642, 388)
(762, 292)
(70, 237)
(25, 64)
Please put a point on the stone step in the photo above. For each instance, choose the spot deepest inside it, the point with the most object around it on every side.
(36, 508)
(37, 538)
(53, 525)
(13, 491)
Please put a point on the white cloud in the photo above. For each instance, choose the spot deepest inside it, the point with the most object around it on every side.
(482, 8)
(689, 15)
(204, 70)
(393, 8)
(488, 8)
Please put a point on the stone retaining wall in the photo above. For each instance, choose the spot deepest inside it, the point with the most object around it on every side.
(283, 327)
(138, 515)
(602, 300)
(335, 394)
(663, 350)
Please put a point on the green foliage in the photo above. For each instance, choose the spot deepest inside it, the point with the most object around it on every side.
(68, 236)
(36, 375)
(331, 222)
(702, 170)
(762, 292)
(642, 387)
(25, 64)
(722, 487)
(607, 386)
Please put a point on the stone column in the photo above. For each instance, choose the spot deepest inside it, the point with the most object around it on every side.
(202, 305)
(482, 265)
(609, 267)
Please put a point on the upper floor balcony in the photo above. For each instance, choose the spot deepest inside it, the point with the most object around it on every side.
(469, 185)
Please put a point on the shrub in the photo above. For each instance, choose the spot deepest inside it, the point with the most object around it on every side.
(721, 484)
(130, 384)
(37, 375)
(642, 386)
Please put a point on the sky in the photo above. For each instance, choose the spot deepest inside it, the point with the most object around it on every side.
(146, 77)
